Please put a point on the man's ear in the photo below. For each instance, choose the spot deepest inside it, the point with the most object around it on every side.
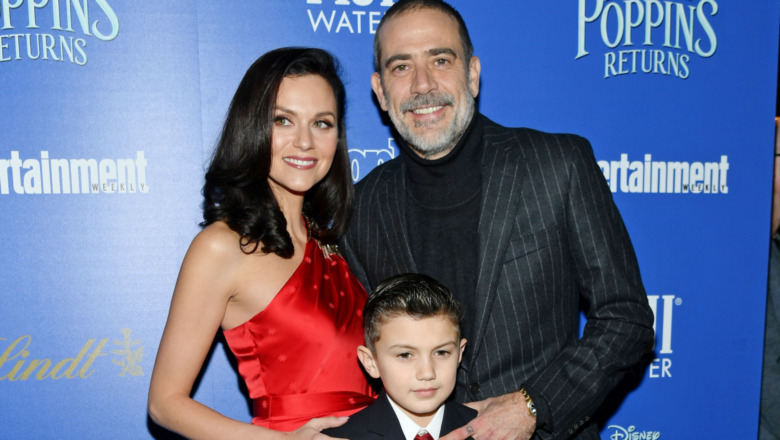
(474, 69)
(376, 84)
(462, 347)
(367, 359)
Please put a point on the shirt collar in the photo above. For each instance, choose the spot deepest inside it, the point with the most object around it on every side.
(411, 429)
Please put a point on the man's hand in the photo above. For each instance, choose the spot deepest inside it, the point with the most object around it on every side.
(500, 418)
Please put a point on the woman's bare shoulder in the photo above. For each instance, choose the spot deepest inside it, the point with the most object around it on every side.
(219, 238)
(216, 244)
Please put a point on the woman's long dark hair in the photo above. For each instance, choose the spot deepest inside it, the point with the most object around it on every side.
(237, 190)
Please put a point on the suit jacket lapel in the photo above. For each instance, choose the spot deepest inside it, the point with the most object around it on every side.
(455, 416)
(451, 421)
(502, 179)
(392, 220)
(383, 422)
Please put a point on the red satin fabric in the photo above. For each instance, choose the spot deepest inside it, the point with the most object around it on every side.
(298, 356)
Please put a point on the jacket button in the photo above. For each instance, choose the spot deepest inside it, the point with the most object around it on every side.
(474, 388)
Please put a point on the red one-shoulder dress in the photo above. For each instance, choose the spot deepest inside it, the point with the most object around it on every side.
(298, 356)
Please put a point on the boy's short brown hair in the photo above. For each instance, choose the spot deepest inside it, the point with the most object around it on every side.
(415, 295)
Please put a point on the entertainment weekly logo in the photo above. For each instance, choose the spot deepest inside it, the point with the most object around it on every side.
(43, 174)
(54, 30)
(649, 176)
(346, 16)
(647, 36)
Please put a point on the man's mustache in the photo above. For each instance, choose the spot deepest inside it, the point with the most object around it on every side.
(427, 100)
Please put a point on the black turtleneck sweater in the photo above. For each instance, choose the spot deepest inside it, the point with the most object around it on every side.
(443, 206)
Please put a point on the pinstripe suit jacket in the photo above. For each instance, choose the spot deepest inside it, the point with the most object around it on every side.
(550, 240)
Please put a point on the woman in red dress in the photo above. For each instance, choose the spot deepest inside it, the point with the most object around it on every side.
(265, 268)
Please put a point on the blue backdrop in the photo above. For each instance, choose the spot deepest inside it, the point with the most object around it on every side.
(111, 109)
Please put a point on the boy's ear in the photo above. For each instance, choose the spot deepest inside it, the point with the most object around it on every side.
(367, 359)
(462, 347)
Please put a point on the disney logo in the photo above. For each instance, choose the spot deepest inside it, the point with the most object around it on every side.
(631, 433)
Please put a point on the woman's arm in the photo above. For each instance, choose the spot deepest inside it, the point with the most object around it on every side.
(207, 281)
(198, 306)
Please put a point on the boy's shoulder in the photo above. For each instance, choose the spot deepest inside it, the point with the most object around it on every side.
(456, 415)
(363, 424)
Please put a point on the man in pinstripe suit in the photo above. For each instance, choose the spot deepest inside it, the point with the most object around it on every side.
(519, 224)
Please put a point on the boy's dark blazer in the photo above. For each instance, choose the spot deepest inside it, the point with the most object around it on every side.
(378, 421)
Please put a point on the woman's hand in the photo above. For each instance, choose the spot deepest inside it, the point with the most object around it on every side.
(311, 430)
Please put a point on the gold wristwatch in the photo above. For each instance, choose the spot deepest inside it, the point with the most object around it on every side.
(529, 403)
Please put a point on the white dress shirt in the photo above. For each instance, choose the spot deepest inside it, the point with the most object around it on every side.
(410, 428)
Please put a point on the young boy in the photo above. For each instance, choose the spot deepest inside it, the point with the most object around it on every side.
(413, 343)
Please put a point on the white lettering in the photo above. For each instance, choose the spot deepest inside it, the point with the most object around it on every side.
(72, 176)
(385, 3)
(647, 61)
(660, 368)
(675, 25)
(651, 176)
(350, 20)
(344, 22)
(321, 19)
(77, 16)
(666, 330)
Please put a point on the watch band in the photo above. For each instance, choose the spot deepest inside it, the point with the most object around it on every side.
(529, 403)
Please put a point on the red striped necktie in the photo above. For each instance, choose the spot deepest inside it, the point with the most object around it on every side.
(423, 435)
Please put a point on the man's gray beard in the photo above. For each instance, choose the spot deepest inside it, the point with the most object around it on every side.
(445, 143)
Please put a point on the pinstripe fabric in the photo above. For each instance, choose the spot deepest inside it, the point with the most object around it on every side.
(550, 237)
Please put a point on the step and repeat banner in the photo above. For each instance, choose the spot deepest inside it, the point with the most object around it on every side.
(110, 111)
